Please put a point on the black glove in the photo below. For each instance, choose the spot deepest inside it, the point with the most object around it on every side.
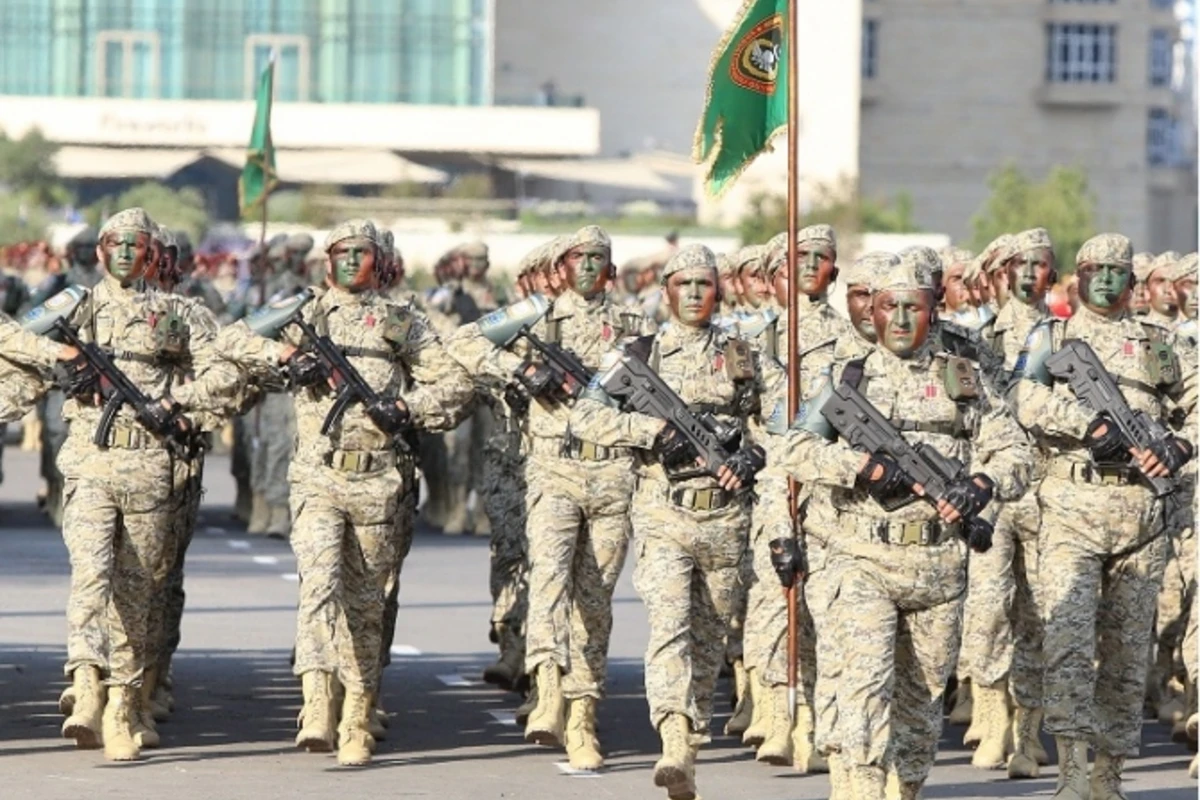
(540, 380)
(387, 416)
(978, 533)
(968, 497)
(890, 485)
(1172, 452)
(672, 449)
(303, 369)
(1110, 448)
(787, 560)
(159, 420)
(516, 400)
(77, 377)
(746, 463)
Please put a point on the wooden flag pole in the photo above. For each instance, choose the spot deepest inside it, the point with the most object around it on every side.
(793, 349)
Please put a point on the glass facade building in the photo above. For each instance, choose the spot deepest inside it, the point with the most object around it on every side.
(329, 51)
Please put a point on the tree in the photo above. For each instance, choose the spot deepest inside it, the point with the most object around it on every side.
(1063, 204)
(27, 168)
(839, 205)
(181, 209)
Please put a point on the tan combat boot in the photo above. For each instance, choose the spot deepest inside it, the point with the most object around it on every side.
(761, 711)
(1106, 777)
(1072, 769)
(145, 733)
(805, 758)
(995, 726)
(776, 748)
(379, 720)
(66, 701)
(456, 523)
(316, 735)
(960, 713)
(85, 724)
(119, 742)
(896, 789)
(509, 668)
(676, 770)
(260, 514)
(840, 787)
(743, 710)
(545, 726)
(1023, 763)
(527, 705)
(279, 522)
(583, 748)
(355, 743)
(867, 782)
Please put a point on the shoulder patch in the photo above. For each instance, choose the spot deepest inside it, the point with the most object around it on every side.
(961, 381)
(739, 362)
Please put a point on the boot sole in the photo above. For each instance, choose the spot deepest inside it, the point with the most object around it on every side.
(543, 738)
(85, 738)
(315, 745)
(675, 781)
(774, 759)
(124, 758)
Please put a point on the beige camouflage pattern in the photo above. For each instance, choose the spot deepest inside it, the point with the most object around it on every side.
(502, 491)
(129, 219)
(1186, 267)
(1106, 248)
(868, 267)
(692, 256)
(1000, 250)
(896, 608)
(1102, 551)
(1032, 239)
(690, 560)
(352, 229)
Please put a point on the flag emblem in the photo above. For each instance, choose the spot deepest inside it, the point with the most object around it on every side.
(755, 64)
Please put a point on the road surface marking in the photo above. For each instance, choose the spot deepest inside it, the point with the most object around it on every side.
(266, 560)
(505, 717)
(291, 577)
(403, 650)
(565, 769)
(238, 544)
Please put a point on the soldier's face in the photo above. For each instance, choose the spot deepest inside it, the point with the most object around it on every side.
(1029, 274)
(1104, 288)
(1161, 293)
(1185, 291)
(757, 288)
(1139, 300)
(692, 295)
(858, 307)
(998, 280)
(729, 288)
(126, 254)
(351, 264)
(586, 269)
(477, 266)
(957, 296)
(902, 318)
(814, 268)
(782, 287)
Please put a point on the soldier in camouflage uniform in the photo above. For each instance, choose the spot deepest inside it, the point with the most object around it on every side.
(690, 527)
(1139, 303)
(1103, 545)
(118, 510)
(577, 499)
(347, 489)
(901, 575)
(1184, 276)
(1163, 303)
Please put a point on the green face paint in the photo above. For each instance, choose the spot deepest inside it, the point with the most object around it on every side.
(1185, 289)
(1029, 275)
(902, 318)
(352, 261)
(587, 268)
(125, 255)
(814, 268)
(1104, 287)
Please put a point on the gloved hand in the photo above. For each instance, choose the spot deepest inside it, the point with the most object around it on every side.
(744, 465)
(672, 449)
(516, 400)
(159, 419)
(889, 484)
(971, 495)
(978, 533)
(1109, 447)
(787, 559)
(1172, 452)
(388, 416)
(540, 380)
(303, 369)
(77, 377)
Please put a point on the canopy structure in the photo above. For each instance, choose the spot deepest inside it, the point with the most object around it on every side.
(621, 173)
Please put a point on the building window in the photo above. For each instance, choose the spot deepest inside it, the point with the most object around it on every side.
(1160, 138)
(1163, 4)
(870, 48)
(1078, 53)
(128, 64)
(1160, 57)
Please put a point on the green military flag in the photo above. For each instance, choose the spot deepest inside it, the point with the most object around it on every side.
(258, 176)
(747, 93)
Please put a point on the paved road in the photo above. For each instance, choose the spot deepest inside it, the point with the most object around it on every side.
(452, 737)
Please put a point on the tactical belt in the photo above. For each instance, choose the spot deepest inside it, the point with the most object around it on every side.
(724, 409)
(141, 358)
(367, 352)
(360, 460)
(131, 439)
(1090, 473)
(922, 534)
(578, 450)
(700, 499)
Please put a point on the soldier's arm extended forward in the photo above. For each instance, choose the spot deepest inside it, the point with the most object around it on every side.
(217, 376)
(25, 348)
(597, 418)
(482, 359)
(1037, 407)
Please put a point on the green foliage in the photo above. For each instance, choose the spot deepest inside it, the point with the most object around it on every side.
(472, 186)
(1062, 204)
(27, 167)
(838, 205)
(12, 228)
(182, 209)
(405, 189)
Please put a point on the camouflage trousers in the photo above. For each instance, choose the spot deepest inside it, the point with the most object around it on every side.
(117, 526)
(272, 430)
(578, 533)
(689, 568)
(1002, 629)
(240, 455)
(54, 434)
(1103, 552)
(897, 611)
(345, 538)
(406, 518)
(502, 492)
(190, 485)
(1191, 645)
(1179, 579)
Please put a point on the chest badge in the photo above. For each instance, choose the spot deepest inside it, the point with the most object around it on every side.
(719, 362)
(606, 332)
(370, 320)
(931, 391)
(1129, 349)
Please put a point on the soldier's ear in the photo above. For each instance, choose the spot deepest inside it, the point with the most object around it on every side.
(833, 275)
